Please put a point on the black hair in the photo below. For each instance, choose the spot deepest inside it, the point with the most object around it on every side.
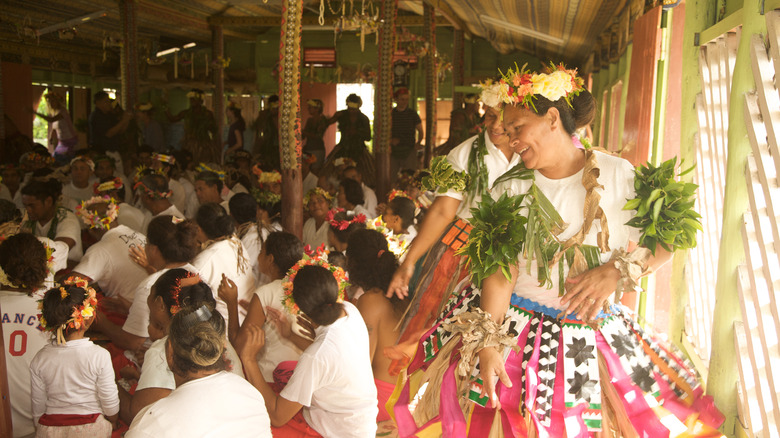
(195, 295)
(243, 208)
(57, 310)
(9, 212)
(197, 344)
(574, 116)
(352, 190)
(155, 182)
(273, 98)
(343, 235)
(24, 259)
(99, 96)
(214, 221)
(177, 242)
(286, 248)
(210, 178)
(371, 264)
(403, 208)
(316, 293)
(144, 149)
(355, 98)
(42, 189)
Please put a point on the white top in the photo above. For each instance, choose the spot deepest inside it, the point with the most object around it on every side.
(369, 199)
(155, 372)
(360, 209)
(137, 322)
(108, 262)
(178, 195)
(219, 405)
(22, 340)
(253, 244)
(568, 197)
(74, 195)
(222, 258)
(170, 211)
(277, 349)
(69, 227)
(314, 236)
(334, 380)
(496, 164)
(6, 194)
(130, 217)
(309, 182)
(76, 378)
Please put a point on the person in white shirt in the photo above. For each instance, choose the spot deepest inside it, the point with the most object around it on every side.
(173, 290)
(47, 219)
(350, 197)
(23, 261)
(281, 252)
(80, 186)
(105, 169)
(155, 197)
(209, 187)
(333, 383)
(315, 229)
(72, 380)
(164, 164)
(127, 214)
(399, 217)
(207, 401)
(369, 196)
(223, 254)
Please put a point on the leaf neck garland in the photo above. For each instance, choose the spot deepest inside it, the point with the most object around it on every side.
(443, 177)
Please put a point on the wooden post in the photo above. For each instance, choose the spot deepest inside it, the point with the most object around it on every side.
(383, 99)
(431, 81)
(458, 46)
(290, 116)
(218, 53)
(129, 54)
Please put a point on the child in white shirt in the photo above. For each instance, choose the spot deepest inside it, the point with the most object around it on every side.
(72, 379)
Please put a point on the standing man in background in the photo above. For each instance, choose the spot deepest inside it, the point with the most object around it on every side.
(403, 144)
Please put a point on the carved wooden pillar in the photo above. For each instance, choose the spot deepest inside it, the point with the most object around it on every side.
(383, 100)
(290, 116)
(129, 54)
(218, 54)
(431, 80)
(458, 48)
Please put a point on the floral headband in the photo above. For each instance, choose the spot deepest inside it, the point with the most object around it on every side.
(141, 169)
(35, 157)
(395, 242)
(107, 186)
(164, 158)
(203, 167)
(270, 177)
(319, 191)
(84, 311)
(265, 197)
(319, 258)
(189, 279)
(84, 160)
(101, 158)
(152, 193)
(343, 224)
(520, 86)
(344, 161)
(93, 219)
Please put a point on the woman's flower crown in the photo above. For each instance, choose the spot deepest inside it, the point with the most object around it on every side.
(344, 161)
(108, 186)
(203, 167)
(93, 219)
(265, 197)
(35, 157)
(520, 86)
(343, 224)
(319, 258)
(396, 243)
(270, 177)
(317, 191)
(84, 160)
(84, 311)
(395, 193)
(164, 158)
(152, 193)
(189, 279)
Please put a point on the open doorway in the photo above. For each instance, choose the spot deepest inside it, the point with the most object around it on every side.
(366, 93)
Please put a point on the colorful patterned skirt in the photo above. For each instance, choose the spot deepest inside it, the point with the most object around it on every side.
(569, 379)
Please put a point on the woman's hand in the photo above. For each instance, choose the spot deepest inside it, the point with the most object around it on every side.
(399, 285)
(138, 255)
(280, 320)
(228, 292)
(491, 365)
(253, 340)
(587, 292)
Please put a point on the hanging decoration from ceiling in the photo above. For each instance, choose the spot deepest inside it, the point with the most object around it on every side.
(365, 22)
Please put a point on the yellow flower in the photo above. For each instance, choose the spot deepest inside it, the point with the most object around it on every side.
(88, 311)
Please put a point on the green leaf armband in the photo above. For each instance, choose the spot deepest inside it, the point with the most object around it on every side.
(443, 177)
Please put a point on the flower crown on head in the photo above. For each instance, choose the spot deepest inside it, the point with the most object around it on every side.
(343, 224)
(84, 311)
(35, 157)
(270, 177)
(395, 193)
(318, 258)
(152, 193)
(265, 197)
(139, 170)
(84, 160)
(164, 158)
(107, 186)
(189, 279)
(344, 161)
(203, 167)
(521, 87)
(395, 242)
(93, 219)
(317, 191)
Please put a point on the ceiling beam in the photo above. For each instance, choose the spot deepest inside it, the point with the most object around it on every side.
(443, 8)
(401, 20)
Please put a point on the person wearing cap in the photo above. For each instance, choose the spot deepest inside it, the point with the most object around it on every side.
(105, 125)
(151, 129)
(266, 128)
(62, 134)
(200, 129)
(406, 123)
(314, 130)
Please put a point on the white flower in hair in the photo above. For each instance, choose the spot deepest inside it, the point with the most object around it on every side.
(491, 94)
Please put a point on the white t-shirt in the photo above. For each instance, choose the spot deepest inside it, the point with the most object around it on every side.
(360, 209)
(76, 378)
(314, 236)
(178, 195)
(170, 211)
(253, 244)
(568, 197)
(369, 199)
(69, 227)
(137, 322)
(155, 372)
(222, 258)
(130, 217)
(219, 405)
(277, 349)
(108, 262)
(334, 380)
(75, 195)
(496, 164)
(309, 182)
(22, 340)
